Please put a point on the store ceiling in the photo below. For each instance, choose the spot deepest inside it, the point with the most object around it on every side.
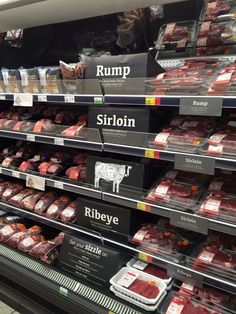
(28, 13)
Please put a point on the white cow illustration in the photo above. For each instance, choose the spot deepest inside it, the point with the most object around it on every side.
(110, 172)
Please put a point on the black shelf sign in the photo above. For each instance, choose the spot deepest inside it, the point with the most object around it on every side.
(189, 222)
(201, 106)
(185, 275)
(195, 164)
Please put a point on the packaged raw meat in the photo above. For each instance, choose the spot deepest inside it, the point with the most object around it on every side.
(3, 186)
(69, 214)
(11, 79)
(65, 118)
(138, 285)
(176, 36)
(161, 240)
(11, 162)
(27, 166)
(59, 238)
(11, 190)
(218, 10)
(8, 230)
(80, 159)
(223, 185)
(55, 209)
(76, 173)
(14, 240)
(45, 201)
(25, 126)
(41, 249)
(8, 124)
(60, 157)
(30, 80)
(196, 180)
(215, 38)
(30, 201)
(150, 269)
(50, 80)
(44, 126)
(49, 168)
(16, 199)
(78, 129)
(26, 244)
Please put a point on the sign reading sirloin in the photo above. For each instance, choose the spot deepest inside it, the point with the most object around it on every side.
(195, 164)
(189, 222)
(201, 106)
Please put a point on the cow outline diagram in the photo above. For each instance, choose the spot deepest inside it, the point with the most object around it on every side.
(112, 173)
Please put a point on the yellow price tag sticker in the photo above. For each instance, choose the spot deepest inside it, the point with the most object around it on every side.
(144, 257)
(110, 312)
(141, 206)
(149, 153)
(150, 101)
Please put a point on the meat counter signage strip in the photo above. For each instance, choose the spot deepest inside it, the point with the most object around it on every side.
(201, 106)
(188, 222)
(88, 260)
(185, 275)
(195, 164)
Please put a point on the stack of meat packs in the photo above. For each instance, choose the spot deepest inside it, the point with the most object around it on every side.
(216, 255)
(48, 204)
(30, 240)
(178, 189)
(220, 199)
(207, 300)
(26, 157)
(185, 133)
(139, 288)
(165, 239)
(40, 119)
(190, 77)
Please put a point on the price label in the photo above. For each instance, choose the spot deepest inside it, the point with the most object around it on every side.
(30, 137)
(185, 275)
(201, 106)
(98, 100)
(152, 154)
(144, 207)
(63, 291)
(35, 182)
(144, 257)
(69, 98)
(42, 98)
(189, 222)
(152, 101)
(2, 97)
(23, 100)
(15, 174)
(59, 141)
(195, 164)
(58, 185)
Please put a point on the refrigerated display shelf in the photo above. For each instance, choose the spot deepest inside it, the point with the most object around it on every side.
(53, 140)
(60, 98)
(219, 162)
(87, 190)
(188, 273)
(78, 188)
(70, 293)
(166, 100)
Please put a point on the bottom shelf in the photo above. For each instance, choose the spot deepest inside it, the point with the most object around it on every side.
(49, 284)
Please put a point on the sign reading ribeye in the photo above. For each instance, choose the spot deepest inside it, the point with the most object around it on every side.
(123, 74)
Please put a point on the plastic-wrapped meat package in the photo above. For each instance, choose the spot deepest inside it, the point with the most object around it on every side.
(25, 152)
(8, 230)
(11, 162)
(41, 156)
(186, 78)
(144, 288)
(69, 214)
(223, 141)
(27, 166)
(65, 117)
(196, 180)
(78, 129)
(80, 159)
(224, 82)
(26, 244)
(49, 168)
(44, 126)
(219, 10)
(8, 124)
(11, 190)
(45, 201)
(30, 201)
(50, 112)
(161, 240)
(59, 238)
(60, 157)
(14, 240)
(3, 186)
(174, 194)
(223, 207)
(17, 199)
(77, 173)
(55, 209)
(179, 36)
(40, 249)
(25, 126)
(151, 269)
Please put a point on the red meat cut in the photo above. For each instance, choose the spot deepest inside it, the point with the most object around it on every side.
(11, 190)
(44, 126)
(26, 244)
(45, 201)
(69, 214)
(16, 199)
(30, 201)
(14, 240)
(55, 209)
(76, 173)
(7, 231)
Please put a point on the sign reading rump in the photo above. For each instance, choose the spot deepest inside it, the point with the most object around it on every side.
(122, 74)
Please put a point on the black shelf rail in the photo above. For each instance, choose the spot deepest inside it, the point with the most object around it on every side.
(186, 271)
